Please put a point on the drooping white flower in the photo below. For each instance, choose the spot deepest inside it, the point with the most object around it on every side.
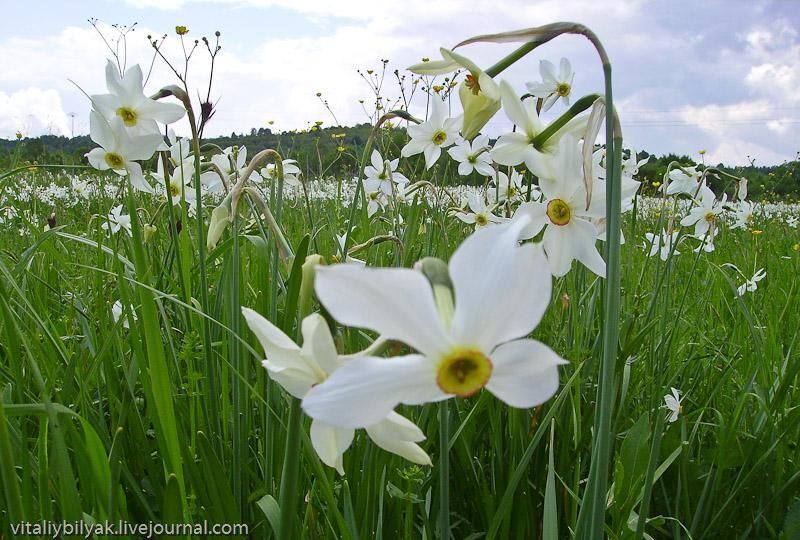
(299, 369)
(116, 220)
(481, 214)
(518, 147)
(661, 244)
(685, 180)
(127, 102)
(431, 136)
(473, 156)
(120, 150)
(554, 85)
(672, 402)
(569, 233)
(500, 291)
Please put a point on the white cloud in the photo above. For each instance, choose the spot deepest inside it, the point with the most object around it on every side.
(33, 110)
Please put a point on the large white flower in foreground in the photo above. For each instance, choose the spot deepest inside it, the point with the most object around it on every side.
(431, 136)
(518, 147)
(569, 233)
(127, 102)
(501, 290)
(298, 369)
(120, 150)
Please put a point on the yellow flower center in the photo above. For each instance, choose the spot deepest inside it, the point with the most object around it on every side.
(559, 212)
(128, 116)
(711, 217)
(481, 220)
(563, 89)
(373, 195)
(114, 160)
(463, 372)
(174, 190)
(439, 137)
(473, 84)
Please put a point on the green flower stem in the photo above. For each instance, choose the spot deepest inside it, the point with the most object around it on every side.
(444, 470)
(504, 63)
(578, 107)
(287, 497)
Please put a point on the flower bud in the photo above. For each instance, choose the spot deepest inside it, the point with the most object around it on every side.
(149, 231)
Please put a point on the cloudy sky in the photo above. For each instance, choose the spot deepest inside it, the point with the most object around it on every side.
(723, 76)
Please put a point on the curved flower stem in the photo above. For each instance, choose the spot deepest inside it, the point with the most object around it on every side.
(591, 519)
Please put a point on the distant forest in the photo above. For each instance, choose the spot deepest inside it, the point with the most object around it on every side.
(335, 150)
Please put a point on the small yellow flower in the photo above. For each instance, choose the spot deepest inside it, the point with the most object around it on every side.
(656, 184)
(438, 88)
(181, 30)
(702, 152)
(19, 135)
(796, 247)
(340, 148)
(756, 232)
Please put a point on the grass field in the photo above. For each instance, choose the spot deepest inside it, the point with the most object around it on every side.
(138, 419)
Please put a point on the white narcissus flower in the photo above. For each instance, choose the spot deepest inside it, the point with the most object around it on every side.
(340, 238)
(127, 102)
(117, 220)
(518, 147)
(117, 312)
(481, 214)
(473, 156)
(554, 84)
(231, 163)
(120, 150)
(382, 175)
(704, 215)
(431, 136)
(509, 189)
(792, 221)
(749, 285)
(661, 244)
(500, 291)
(299, 369)
(569, 233)
(291, 172)
(672, 402)
(743, 214)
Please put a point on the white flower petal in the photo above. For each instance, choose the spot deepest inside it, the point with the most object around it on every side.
(525, 373)
(365, 390)
(399, 435)
(330, 443)
(501, 289)
(395, 302)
